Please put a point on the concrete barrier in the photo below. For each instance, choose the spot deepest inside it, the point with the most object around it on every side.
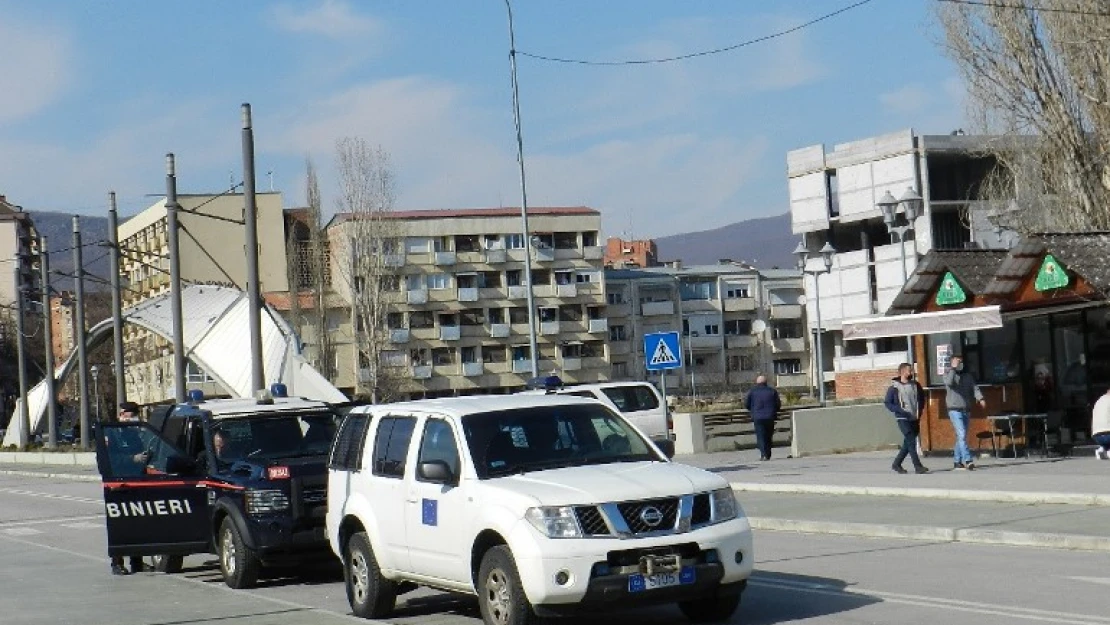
(49, 458)
(842, 429)
(689, 433)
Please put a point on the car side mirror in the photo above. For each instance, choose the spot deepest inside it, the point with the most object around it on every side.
(180, 465)
(436, 472)
(667, 447)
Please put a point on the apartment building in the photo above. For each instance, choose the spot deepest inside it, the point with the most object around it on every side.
(458, 317)
(211, 244)
(625, 254)
(18, 239)
(834, 196)
(736, 322)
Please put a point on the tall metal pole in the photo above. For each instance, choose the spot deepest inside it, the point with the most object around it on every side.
(79, 324)
(175, 281)
(117, 299)
(21, 358)
(905, 279)
(250, 216)
(534, 348)
(820, 358)
(48, 340)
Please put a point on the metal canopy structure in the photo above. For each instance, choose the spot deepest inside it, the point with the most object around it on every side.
(216, 340)
(964, 319)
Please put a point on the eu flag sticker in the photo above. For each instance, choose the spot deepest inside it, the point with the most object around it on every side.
(429, 512)
(686, 576)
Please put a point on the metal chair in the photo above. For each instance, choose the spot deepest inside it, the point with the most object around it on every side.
(1010, 429)
(986, 435)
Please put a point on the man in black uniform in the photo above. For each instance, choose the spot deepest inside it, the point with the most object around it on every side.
(130, 447)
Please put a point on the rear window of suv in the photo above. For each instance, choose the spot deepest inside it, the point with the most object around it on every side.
(631, 398)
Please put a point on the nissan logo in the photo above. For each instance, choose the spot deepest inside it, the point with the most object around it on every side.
(651, 516)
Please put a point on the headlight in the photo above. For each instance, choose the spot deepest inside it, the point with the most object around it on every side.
(725, 507)
(555, 521)
(263, 501)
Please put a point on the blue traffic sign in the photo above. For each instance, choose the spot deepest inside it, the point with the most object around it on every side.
(662, 351)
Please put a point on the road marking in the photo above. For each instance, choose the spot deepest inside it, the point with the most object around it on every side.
(54, 520)
(21, 531)
(84, 525)
(1092, 580)
(31, 493)
(976, 607)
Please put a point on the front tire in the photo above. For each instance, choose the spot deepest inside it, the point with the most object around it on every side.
(168, 564)
(711, 609)
(370, 594)
(238, 563)
(501, 596)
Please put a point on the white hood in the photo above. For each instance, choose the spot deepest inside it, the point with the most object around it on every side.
(608, 483)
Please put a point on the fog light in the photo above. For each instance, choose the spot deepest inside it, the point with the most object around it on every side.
(562, 578)
(739, 557)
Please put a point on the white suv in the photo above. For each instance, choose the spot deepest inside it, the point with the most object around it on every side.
(639, 402)
(540, 505)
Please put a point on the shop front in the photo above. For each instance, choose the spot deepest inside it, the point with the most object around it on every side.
(1046, 353)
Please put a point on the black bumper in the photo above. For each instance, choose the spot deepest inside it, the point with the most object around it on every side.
(611, 592)
(281, 543)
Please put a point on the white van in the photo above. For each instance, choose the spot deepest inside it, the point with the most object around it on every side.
(639, 402)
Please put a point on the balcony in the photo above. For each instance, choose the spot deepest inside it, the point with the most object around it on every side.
(518, 292)
(399, 335)
(450, 333)
(741, 341)
(619, 348)
(548, 328)
(699, 305)
(471, 369)
(571, 364)
(704, 342)
(543, 254)
(394, 260)
(598, 325)
(566, 290)
(619, 310)
(496, 257)
(783, 346)
(741, 304)
(468, 294)
(653, 309)
(419, 296)
(543, 290)
(786, 311)
(522, 366)
(421, 372)
(593, 252)
(498, 330)
(364, 375)
(792, 380)
(444, 258)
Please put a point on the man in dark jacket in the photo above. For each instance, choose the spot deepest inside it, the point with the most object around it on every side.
(906, 400)
(763, 404)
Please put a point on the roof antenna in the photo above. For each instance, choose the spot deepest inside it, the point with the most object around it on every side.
(271, 175)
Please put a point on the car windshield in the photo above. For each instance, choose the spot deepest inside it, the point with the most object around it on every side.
(268, 437)
(550, 437)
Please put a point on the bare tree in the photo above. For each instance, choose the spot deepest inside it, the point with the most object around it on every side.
(370, 243)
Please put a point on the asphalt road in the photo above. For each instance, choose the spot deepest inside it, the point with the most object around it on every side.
(53, 570)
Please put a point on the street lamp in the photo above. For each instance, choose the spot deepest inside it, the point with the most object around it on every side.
(826, 255)
(912, 208)
(95, 370)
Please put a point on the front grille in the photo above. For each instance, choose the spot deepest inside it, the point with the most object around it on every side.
(591, 521)
(314, 496)
(701, 512)
(638, 515)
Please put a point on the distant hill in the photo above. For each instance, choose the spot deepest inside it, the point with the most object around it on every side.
(58, 230)
(765, 243)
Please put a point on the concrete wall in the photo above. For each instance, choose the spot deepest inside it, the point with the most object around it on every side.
(866, 427)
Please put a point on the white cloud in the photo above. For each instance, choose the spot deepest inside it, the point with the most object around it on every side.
(908, 99)
(35, 64)
(333, 19)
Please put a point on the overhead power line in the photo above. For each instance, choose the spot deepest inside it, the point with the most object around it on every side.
(1028, 7)
(683, 57)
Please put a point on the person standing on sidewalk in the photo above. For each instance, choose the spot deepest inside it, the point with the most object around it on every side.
(763, 404)
(961, 392)
(905, 399)
(1100, 426)
(128, 412)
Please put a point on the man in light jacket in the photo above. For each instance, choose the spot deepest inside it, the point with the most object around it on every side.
(1100, 426)
(905, 399)
(961, 392)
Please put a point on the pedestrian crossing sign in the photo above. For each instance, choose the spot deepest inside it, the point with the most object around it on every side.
(662, 351)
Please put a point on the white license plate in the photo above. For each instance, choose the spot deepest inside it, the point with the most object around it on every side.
(640, 583)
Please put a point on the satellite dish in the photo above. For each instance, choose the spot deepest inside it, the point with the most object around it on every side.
(802, 301)
(758, 326)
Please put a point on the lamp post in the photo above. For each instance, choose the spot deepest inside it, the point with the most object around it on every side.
(826, 254)
(95, 370)
(690, 362)
(912, 208)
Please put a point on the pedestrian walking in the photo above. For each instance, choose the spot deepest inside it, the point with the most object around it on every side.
(763, 404)
(961, 391)
(129, 411)
(1100, 426)
(905, 399)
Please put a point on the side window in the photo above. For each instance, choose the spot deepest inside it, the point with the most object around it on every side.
(346, 455)
(632, 398)
(391, 445)
(134, 450)
(438, 443)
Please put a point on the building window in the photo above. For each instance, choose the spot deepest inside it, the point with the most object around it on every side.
(521, 352)
(693, 289)
(566, 240)
(589, 238)
(585, 277)
(489, 280)
(468, 354)
(789, 366)
(832, 187)
(467, 243)
(493, 353)
(514, 277)
(514, 241)
(439, 281)
(617, 333)
(472, 317)
(615, 297)
(442, 356)
(712, 329)
(570, 312)
(495, 315)
(620, 369)
(737, 291)
(518, 314)
(786, 330)
(196, 375)
(420, 319)
(541, 277)
(738, 327)
(547, 314)
(564, 277)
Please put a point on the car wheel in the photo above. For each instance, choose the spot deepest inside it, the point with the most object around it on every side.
(167, 564)
(710, 609)
(238, 563)
(370, 594)
(500, 595)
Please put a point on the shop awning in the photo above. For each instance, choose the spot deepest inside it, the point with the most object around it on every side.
(923, 323)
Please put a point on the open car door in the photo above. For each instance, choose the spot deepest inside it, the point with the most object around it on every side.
(155, 498)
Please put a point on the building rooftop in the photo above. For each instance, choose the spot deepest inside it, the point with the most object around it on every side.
(974, 269)
(477, 213)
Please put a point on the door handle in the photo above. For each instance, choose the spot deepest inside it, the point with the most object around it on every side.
(412, 500)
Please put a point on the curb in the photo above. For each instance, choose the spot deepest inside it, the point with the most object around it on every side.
(77, 477)
(998, 496)
(937, 534)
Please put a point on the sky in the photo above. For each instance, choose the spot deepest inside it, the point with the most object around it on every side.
(95, 93)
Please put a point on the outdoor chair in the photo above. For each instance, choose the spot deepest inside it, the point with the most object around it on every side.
(987, 435)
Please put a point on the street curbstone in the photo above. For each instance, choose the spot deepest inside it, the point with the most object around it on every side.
(77, 477)
(997, 496)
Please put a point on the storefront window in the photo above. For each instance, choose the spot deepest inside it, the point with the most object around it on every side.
(1098, 351)
(941, 348)
(1071, 362)
(1040, 374)
(1001, 355)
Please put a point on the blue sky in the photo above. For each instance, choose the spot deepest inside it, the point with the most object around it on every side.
(95, 93)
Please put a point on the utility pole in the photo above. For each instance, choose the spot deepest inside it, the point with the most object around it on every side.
(21, 357)
(533, 347)
(48, 339)
(82, 352)
(117, 298)
(175, 281)
(250, 216)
